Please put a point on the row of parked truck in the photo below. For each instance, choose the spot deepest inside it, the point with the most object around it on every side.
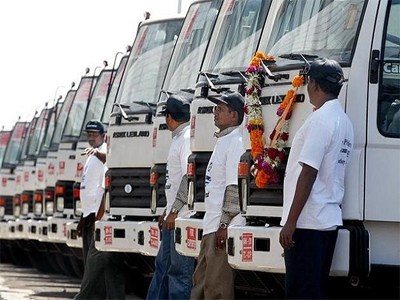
(201, 55)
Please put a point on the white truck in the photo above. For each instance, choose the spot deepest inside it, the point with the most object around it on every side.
(99, 108)
(235, 38)
(129, 159)
(12, 205)
(128, 136)
(65, 160)
(363, 37)
(181, 77)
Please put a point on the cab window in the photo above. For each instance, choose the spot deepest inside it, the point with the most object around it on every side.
(389, 89)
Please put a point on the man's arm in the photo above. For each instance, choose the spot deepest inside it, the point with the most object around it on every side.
(180, 201)
(304, 185)
(102, 208)
(230, 208)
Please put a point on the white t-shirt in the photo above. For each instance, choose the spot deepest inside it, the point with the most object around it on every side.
(92, 185)
(177, 160)
(324, 142)
(222, 170)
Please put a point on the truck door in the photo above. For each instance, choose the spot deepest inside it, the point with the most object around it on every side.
(382, 192)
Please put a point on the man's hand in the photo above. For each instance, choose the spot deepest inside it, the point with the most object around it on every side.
(161, 220)
(286, 235)
(220, 238)
(170, 221)
(89, 151)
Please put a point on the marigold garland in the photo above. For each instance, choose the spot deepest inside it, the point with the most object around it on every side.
(267, 161)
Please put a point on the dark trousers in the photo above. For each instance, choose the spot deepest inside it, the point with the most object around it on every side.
(105, 272)
(308, 263)
(87, 234)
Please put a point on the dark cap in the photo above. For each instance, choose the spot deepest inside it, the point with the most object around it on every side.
(326, 69)
(94, 125)
(233, 99)
(177, 107)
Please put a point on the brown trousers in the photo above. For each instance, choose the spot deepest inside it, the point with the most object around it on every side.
(214, 277)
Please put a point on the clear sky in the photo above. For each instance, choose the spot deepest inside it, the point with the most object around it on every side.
(45, 45)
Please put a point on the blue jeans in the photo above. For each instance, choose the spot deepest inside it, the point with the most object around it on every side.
(173, 275)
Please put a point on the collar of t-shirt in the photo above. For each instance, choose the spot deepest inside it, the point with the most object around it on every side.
(225, 131)
(179, 129)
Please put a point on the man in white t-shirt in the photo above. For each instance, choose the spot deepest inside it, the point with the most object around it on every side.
(173, 275)
(92, 185)
(214, 277)
(104, 275)
(314, 185)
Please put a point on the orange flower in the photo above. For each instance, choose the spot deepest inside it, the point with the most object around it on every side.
(255, 61)
(289, 95)
(261, 179)
(261, 55)
(298, 81)
(257, 144)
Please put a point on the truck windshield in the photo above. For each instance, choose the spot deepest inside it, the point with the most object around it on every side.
(114, 89)
(29, 137)
(239, 35)
(148, 61)
(13, 152)
(62, 119)
(98, 99)
(39, 133)
(4, 139)
(317, 28)
(78, 108)
(191, 45)
(51, 127)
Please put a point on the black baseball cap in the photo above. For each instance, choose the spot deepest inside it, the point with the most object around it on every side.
(233, 99)
(326, 69)
(94, 125)
(177, 107)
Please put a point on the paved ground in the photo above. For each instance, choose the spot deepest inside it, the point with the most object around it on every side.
(28, 284)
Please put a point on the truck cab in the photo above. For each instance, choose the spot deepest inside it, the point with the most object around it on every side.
(180, 79)
(361, 36)
(129, 156)
(98, 109)
(65, 159)
(235, 38)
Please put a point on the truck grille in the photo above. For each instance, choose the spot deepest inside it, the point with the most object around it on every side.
(130, 187)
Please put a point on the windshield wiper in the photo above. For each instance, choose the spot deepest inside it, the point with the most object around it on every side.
(269, 74)
(218, 90)
(306, 58)
(123, 113)
(236, 74)
(298, 56)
